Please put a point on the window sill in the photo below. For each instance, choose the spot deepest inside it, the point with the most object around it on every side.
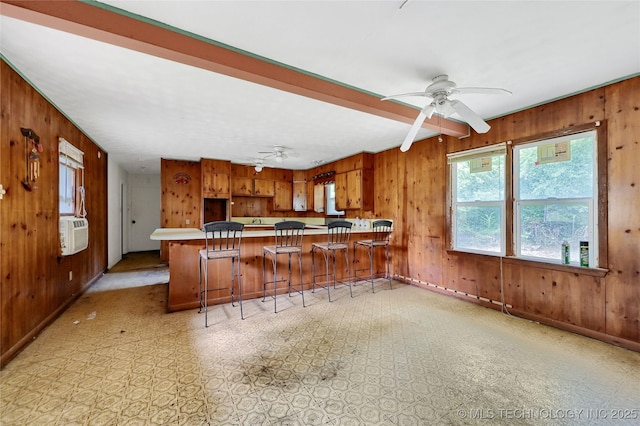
(579, 270)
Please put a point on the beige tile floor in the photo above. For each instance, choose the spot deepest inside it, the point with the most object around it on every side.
(405, 356)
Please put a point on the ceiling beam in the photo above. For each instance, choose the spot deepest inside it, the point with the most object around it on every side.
(107, 26)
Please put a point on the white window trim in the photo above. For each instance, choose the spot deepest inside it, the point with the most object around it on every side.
(499, 149)
(593, 201)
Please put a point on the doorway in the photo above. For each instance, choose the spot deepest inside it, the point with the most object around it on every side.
(144, 218)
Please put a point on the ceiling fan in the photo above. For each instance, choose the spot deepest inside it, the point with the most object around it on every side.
(278, 153)
(440, 90)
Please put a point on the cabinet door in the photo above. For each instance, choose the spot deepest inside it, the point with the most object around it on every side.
(242, 186)
(215, 178)
(310, 196)
(354, 189)
(215, 185)
(341, 191)
(300, 196)
(283, 198)
(263, 188)
(318, 198)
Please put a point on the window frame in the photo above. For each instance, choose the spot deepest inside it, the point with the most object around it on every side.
(600, 207)
(519, 202)
(452, 160)
(72, 159)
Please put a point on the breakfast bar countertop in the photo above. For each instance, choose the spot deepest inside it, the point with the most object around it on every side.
(176, 234)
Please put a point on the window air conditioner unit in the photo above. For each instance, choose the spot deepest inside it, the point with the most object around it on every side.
(74, 234)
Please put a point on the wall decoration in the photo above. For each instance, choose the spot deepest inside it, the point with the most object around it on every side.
(181, 178)
(32, 158)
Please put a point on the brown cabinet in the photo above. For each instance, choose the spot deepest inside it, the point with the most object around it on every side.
(354, 190)
(310, 200)
(264, 188)
(283, 197)
(242, 186)
(300, 196)
(342, 191)
(215, 178)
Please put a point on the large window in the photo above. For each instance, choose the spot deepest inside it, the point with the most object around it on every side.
(555, 197)
(478, 194)
(554, 188)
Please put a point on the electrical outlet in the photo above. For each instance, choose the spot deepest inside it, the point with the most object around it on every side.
(70, 275)
(188, 221)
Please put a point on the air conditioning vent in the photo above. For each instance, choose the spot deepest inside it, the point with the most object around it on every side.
(74, 234)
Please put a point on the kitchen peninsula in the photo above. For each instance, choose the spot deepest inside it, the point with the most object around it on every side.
(184, 244)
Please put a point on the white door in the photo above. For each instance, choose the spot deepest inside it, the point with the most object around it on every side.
(144, 218)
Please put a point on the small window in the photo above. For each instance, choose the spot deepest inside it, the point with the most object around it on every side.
(71, 191)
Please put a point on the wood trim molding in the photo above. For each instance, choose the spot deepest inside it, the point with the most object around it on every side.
(104, 24)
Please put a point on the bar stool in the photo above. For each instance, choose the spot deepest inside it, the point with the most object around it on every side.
(379, 238)
(222, 241)
(338, 234)
(288, 241)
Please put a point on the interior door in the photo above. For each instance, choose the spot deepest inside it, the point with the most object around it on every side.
(144, 218)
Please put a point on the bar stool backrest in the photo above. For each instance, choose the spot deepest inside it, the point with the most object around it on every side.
(381, 231)
(223, 238)
(339, 232)
(289, 234)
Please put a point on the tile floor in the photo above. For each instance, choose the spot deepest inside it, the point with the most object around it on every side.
(405, 356)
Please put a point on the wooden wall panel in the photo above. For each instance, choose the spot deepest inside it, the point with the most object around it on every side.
(181, 197)
(35, 285)
(623, 282)
(424, 209)
(570, 298)
(386, 202)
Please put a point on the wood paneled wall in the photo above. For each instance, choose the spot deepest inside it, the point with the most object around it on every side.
(182, 204)
(607, 308)
(35, 285)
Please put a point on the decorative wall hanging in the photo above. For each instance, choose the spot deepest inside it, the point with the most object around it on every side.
(32, 158)
(181, 178)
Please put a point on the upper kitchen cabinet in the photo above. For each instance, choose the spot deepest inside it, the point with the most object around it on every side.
(264, 188)
(283, 197)
(241, 186)
(215, 178)
(354, 188)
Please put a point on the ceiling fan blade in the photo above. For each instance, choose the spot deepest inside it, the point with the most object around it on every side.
(429, 110)
(481, 91)
(426, 112)
(478, 124)
(402, 95)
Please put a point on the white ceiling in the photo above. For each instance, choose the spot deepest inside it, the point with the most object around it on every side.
(140, 108)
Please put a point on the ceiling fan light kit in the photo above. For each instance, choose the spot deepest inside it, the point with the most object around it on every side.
(439, 90)
(278, 155)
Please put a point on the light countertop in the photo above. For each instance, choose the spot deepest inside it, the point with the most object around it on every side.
(173, 234)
